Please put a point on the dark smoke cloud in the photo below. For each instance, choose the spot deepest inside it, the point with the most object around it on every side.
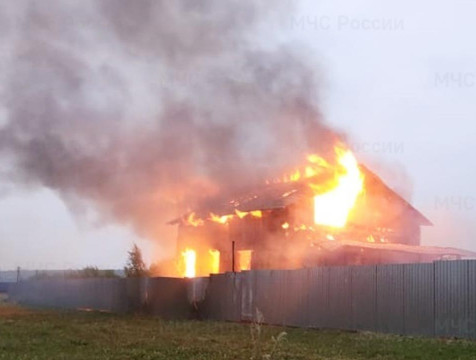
(142, 108)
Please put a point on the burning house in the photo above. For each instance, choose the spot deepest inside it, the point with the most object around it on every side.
(329, 212)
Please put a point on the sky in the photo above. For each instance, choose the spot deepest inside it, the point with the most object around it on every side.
(398, 78)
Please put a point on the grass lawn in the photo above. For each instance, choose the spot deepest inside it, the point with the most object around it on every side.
(70, 335)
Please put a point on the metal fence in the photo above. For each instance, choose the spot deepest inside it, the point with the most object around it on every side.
(159, 296)
(437, 299)
(115, 295)
(4, 286)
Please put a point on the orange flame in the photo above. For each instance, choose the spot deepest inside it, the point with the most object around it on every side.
(220, 219)
(190, 260)
(332, 208)
(295, 176)
(215, 263)
(316, 165)
(244, 259)
(301, 227)
(193, 220)
(254, 213)
(332, 204)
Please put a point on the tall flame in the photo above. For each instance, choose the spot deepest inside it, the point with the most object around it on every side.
(215, 263)
(332, 208)
(190, 260)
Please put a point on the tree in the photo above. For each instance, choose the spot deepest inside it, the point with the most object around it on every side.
(135, 266)
(88, 272)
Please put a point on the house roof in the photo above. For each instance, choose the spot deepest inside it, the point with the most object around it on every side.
(281, 195)
(374, 182)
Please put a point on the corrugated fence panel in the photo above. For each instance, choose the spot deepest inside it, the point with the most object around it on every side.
(472, 299)
(168, 298)
(37, 293)
(265, 294)
(318, 297)
(133, 293)
(275, 312)
(419, 299)
(110, 296)
(247, 295)
(416, 299)
(118, 295)
(296, 298)
(32, 293)
(364, 298)
(451, 298)
(4, 286)
(44, 293)
(197, 289)
(340, 297)
(216, 297)
(390, 314)
(90, 293)
(74, 293)
(226, 297)
(233, 303)
(97, 294)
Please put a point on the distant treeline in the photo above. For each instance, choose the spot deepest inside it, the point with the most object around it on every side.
(87, 272)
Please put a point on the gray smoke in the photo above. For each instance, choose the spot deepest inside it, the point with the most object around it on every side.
(142, 108)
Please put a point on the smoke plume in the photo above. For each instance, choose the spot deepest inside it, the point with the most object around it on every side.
(142, 108)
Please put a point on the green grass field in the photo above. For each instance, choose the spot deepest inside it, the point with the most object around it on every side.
(32, 334)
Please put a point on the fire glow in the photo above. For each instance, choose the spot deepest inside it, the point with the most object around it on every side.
(195, 221)
(190, 260)
(215, 261)
(242, 214)
(333, 202)
(333, 207)
(220, 219)
(244, 260)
